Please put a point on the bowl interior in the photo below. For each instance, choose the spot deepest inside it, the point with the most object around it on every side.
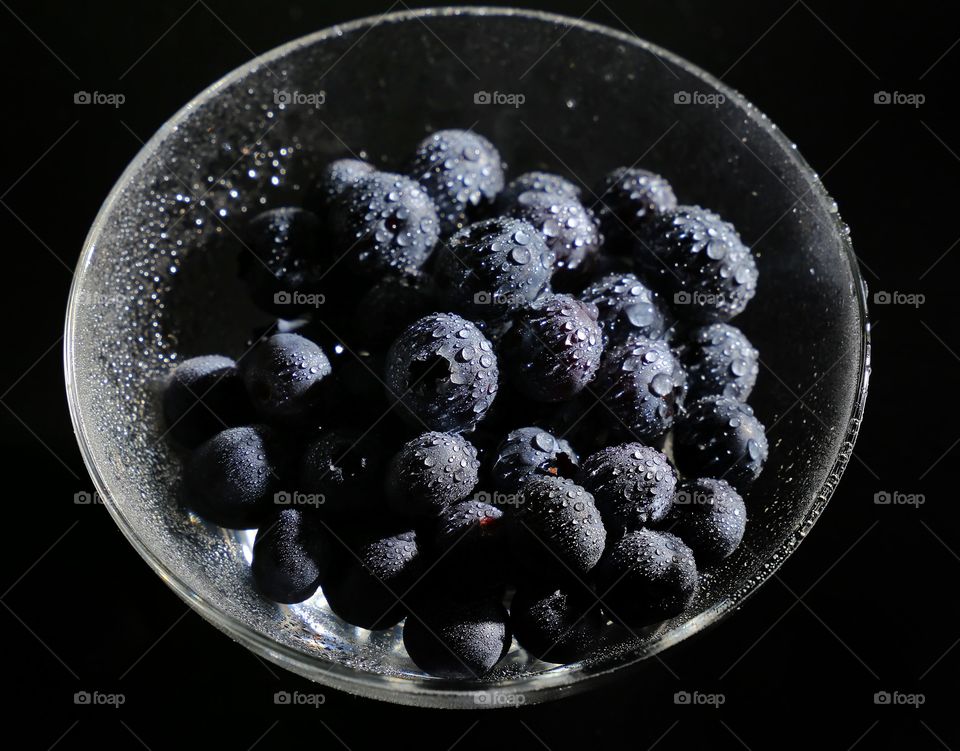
(157, 284)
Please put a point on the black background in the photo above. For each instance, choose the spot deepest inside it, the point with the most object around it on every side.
(867, 604)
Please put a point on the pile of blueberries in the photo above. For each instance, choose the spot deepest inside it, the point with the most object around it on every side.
(483, 407)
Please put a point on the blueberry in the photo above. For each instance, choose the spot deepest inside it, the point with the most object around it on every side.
(369, 584)
(444, 373)
(231, 479)
(627, 309)
(646, 577)
(633, 484)
(341, 175)
(553, 349)
(287, 561)
(720, 437)
(555, 625)
(527, 452)
(557, 527)
(280, 258)
(461, 171)
(344, 467)
(492, 268)
(720, 361)
(472, 545)
(431, 472)
(450, 638)
(710, 517)
(391, 305)
(699, 262)
(202, 396)
(643, 387)
(383, 224)
(284, 375)
(568, 228)
(537, 182)
(629, 198)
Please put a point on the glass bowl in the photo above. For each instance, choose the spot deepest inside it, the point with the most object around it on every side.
(156, 282)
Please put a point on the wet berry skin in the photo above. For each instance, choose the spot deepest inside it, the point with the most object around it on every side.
(567, 227)
(527, 452)
(643, 387)
(280, 257)
(720, 361)
(443, 373)
(557, 527)
(557, 625)
(627, 309)
(202, 396)
(341, 175)
(720, 437)
(431, 472)
(553, 349)
(646, 577)
(452, 638)
(710, 517)
(472, 548)
(231, 479)
(287, 561)
(699, 263)
(343, 468)
(628, 198)
(370, 581)
(633, 484)
(461, 171)
(383, 223)
(537, 182)
(492, 268)
(284, 375)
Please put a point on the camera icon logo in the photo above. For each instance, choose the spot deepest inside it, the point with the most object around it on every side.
(881, 697)
(281, 697)
(881, 298)
(882, 97)
(681, 697)
(482, 298)
(283, 498)
(883, 498)
(82, 97)
(482, 97)
(682, 298)
(280, 96)
(681, 97)
(82, 697)
(282, 298)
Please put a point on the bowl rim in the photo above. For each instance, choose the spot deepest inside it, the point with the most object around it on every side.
(432, 692)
